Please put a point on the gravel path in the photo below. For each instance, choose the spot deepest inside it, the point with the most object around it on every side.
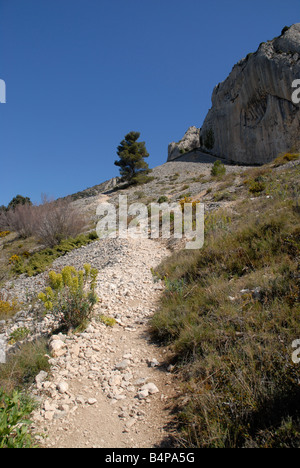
(110, 387)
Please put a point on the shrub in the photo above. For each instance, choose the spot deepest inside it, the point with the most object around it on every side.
(14, 259)
(163, 199)
(49, 223)
(256, 186)
(19, 200)
(187, 200)
(21, 219)
(38, 262)
(141, 179)
(58, 220)
(284, 30)
(108, 321)
(226, 196)
(218, 169)
(8, 307)
(4, 233)
(18, 335)
(71, 295)
(15, 410)
(285, 158)
(139, 194)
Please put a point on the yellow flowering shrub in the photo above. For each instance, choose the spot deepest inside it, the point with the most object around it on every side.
(4, 234)
(8, 307)
(14, 259)
(71, 295)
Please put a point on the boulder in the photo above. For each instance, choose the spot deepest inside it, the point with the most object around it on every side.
(189, 142)
(58, 348)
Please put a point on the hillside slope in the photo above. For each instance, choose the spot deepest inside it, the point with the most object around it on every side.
(224, 319)
(230, 313)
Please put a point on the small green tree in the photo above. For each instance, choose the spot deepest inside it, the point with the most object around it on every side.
(218, 169)
(19, 200)
(132, 154)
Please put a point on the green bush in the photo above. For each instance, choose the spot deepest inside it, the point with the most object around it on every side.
(71, 295)
(18, 335)
(218, 169)
(108, 321)
(40, 261)
(15, 410)
(256, 186)
(285, 158)
(163, 199)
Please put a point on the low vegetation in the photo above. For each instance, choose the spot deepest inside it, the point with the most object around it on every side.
(15, 410)
(16, 406)
(285, 158)
(8, 306)
(38, 262)
(230, 313)
(71, 296)
(49, 223)
(218, 169)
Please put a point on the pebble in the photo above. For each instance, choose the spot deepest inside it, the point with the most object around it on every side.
(62, 387)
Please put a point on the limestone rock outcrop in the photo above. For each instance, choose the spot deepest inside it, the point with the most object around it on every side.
(253, 117)
(189, 142)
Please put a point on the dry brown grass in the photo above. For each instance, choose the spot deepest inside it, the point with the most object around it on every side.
(234, 348)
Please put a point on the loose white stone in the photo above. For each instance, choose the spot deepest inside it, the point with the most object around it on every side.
(62, 387)
(150, 388)
(142, 394)
(92, 401)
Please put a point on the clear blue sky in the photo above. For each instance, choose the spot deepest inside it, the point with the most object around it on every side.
(80, 74)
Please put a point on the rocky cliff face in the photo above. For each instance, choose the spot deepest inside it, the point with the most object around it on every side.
(253, 118)
(190, 141)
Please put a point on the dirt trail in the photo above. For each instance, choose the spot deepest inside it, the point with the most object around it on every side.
(116, 392)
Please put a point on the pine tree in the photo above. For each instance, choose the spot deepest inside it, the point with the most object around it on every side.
(133, 167)
(19, 200)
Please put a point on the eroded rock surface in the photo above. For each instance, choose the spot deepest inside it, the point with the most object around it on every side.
(253, 118)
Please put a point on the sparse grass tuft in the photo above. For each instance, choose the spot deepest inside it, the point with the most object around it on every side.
(24, 365)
